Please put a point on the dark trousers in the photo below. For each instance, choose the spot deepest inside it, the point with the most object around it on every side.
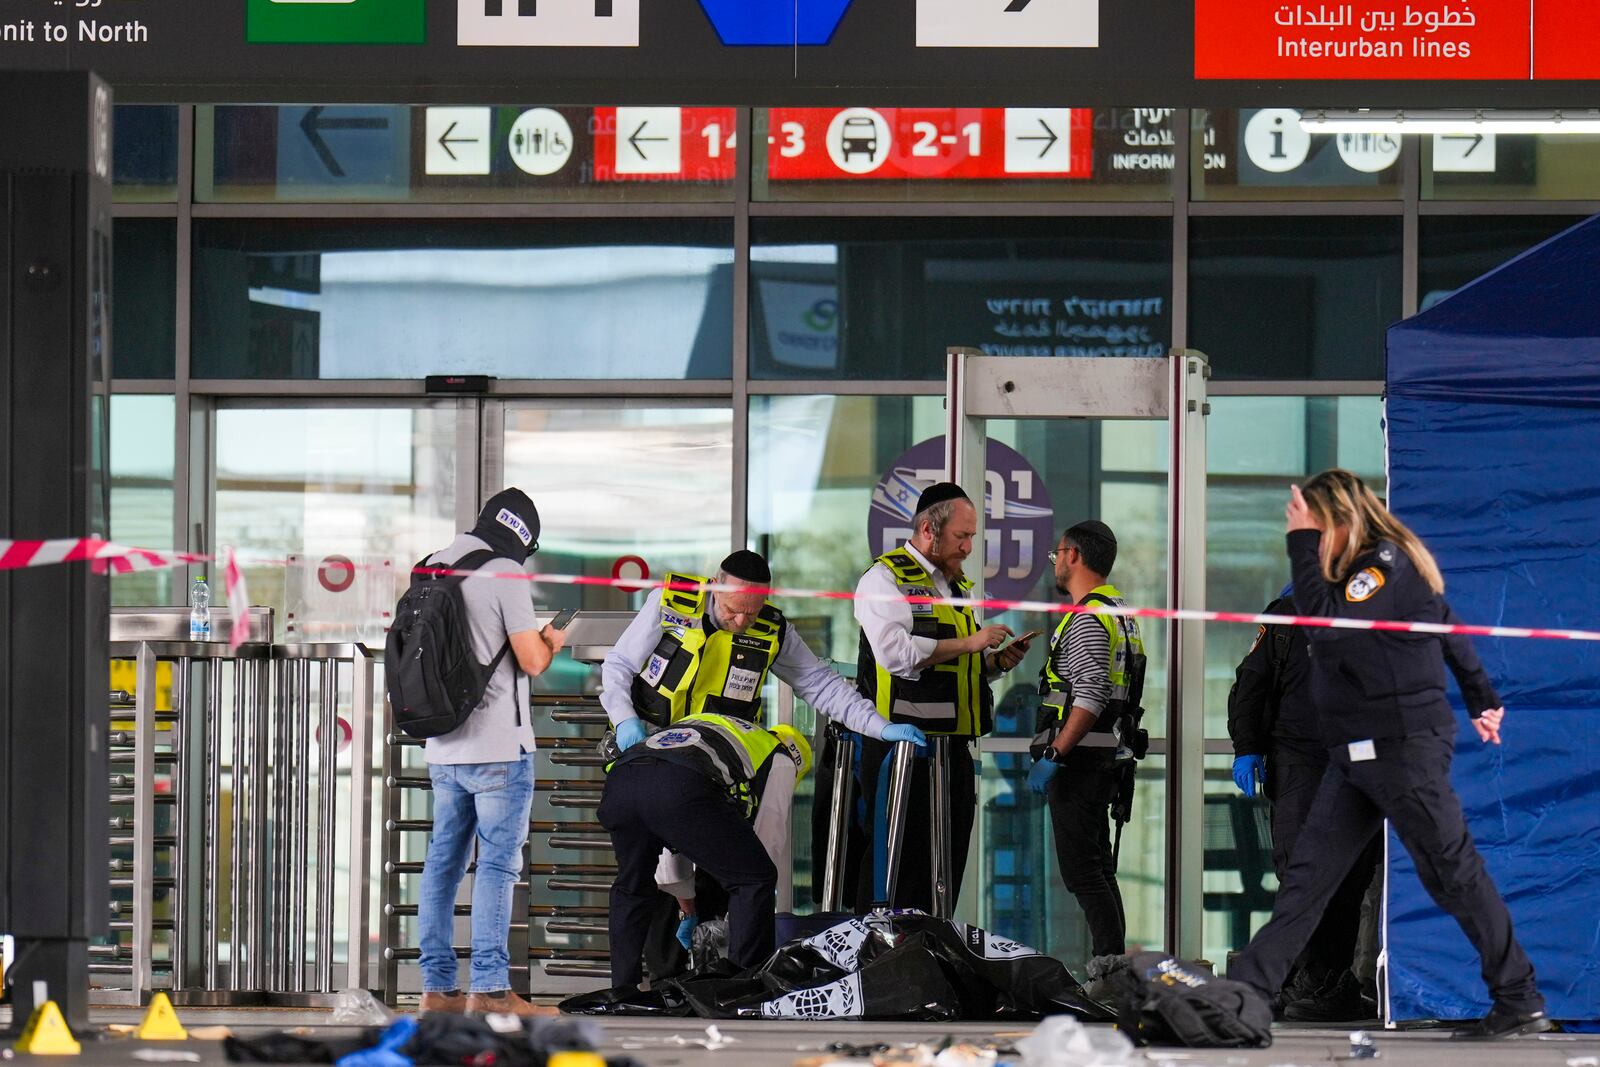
(915, 887)
(1409, 784)
(1080, 813)
(1292, 786)
(653, 804)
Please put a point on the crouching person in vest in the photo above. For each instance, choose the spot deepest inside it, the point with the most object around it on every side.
(715, 790)
(928, 665)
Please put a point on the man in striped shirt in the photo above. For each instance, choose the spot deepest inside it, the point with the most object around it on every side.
(1084, 691)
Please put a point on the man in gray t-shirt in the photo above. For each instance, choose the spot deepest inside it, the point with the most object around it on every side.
(482, 771)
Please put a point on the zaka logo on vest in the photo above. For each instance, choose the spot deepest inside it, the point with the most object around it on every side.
(670, 739)
(511, 522)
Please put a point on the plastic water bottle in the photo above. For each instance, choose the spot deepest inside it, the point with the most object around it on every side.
(200, 610)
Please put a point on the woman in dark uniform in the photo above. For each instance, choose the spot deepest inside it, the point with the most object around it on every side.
(1383, 713)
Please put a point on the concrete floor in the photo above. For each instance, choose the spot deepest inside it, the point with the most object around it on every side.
(682, 1043)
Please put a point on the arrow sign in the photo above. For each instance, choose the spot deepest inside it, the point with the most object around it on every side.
(445, 140)
(456, 141)
(634, 139)
(1038, 140)
(1049, 137)
(655, 145)
(1472, 153)
(312, 124)
(1007, 24)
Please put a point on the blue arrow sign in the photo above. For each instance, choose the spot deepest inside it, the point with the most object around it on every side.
(775, 22)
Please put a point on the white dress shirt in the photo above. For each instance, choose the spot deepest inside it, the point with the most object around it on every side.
(813, 681)
(887, 622)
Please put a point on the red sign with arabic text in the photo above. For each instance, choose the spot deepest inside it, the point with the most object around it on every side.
(946, 143)
(1376, 39)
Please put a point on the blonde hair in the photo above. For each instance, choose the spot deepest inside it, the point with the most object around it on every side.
(1338, 498)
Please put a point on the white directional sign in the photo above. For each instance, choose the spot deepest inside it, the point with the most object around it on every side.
(1038, 140)
(1008, 23)
(1274, 140)
(859, 139)
(1369, 152)
(540, 141)
(1464, 152)
(548, 23)
(456, 141)
(649, 140)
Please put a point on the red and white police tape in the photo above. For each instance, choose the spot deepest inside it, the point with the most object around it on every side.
(238, 600)
(102, 555)
(119, 558)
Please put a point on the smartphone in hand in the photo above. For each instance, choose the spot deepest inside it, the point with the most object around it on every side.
(1021, 639)
(563, 618)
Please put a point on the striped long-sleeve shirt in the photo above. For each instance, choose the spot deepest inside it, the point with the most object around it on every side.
(1084, 660)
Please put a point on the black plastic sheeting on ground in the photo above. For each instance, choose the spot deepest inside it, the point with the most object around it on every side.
(889, 965)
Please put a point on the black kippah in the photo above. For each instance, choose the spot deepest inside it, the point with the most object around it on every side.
(747, 566)
(938, 493)
(1092, 528)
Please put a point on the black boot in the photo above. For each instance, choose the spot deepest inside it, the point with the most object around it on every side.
(1301, 984)
(1339, 1001)
(1505, 1022)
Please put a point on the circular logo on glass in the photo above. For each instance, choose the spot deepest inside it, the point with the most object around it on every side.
(1020, 522)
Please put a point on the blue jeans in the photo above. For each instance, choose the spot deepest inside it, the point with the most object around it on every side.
(489, 802)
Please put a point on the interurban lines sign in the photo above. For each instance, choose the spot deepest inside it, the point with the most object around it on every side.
(1043, 54)
(1510, 40)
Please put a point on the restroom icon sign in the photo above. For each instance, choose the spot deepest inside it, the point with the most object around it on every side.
(548, 23)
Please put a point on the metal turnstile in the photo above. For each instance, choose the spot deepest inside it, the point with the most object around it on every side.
(559, 908)
(899, 802)
(238, 842)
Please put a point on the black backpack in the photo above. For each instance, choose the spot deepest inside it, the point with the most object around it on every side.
(1164, 1001)
(434, 680)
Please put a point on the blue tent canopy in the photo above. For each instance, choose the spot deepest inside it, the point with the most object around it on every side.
(1494, 459)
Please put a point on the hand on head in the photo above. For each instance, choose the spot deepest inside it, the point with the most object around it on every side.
(1298, 512)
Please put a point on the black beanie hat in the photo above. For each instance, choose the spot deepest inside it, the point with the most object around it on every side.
(747, 566)
(510, 524)
(938, 493)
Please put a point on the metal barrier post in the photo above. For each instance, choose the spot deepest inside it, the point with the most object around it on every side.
(361, 691)
(939, 808)
(833, 872)
(899, 799)
(327, 750)
(144, 818)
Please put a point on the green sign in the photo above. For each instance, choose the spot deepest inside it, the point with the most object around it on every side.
(336, 22)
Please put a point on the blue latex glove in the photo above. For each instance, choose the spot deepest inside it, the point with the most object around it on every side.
(1039, 777)
(386, 1053)
(904, 731)
(686, 931)
(630, 732)
(1247, 772)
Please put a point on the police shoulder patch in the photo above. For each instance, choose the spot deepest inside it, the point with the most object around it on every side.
(1363, 585)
